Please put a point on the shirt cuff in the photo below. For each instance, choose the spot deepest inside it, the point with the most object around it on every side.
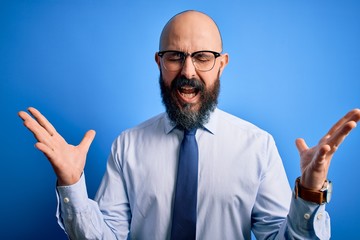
(73, 198)
(309, 218)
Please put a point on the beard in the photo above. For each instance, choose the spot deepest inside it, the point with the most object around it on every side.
(182, 115)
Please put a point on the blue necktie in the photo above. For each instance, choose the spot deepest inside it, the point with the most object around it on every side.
(184, 213)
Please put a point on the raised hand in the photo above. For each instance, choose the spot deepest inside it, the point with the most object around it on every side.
(68, 161)
(315, 161)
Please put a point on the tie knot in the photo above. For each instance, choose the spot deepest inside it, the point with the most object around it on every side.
(190, 132)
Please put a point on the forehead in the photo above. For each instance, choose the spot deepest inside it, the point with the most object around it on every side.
(190, 32)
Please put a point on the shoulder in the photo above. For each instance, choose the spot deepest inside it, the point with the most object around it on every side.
(157, 121)
(233, 123)
(149, 127)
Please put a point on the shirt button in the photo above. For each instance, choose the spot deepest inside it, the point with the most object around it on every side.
(319, 216)
(307, 216)
(66, 200)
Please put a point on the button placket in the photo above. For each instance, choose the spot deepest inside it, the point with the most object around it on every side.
(307, 216)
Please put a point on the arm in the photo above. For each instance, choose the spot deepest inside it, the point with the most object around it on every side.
(79, 215)
(307, 217)
(305, 220)
(106, 218)
(277, 214)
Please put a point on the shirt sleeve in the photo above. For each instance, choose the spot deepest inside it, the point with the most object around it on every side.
(277, 214)
(106, 218)
(307, 220)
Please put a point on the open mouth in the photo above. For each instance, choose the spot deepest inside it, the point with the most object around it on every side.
(188, 93)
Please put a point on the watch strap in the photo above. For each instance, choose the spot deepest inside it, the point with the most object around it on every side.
(310, 195)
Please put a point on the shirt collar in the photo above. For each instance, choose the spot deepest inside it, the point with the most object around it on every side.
(168, 125)
(210, 126)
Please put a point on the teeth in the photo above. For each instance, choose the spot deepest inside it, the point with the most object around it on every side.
(187, 88)
(188, 95)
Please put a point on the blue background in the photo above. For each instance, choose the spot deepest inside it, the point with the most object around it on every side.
(294, 71)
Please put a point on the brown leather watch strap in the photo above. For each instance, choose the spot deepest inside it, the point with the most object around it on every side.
(306, 194)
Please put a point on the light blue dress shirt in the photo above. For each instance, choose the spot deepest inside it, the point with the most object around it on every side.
(242, 187)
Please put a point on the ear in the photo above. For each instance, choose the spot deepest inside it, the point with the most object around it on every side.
(157, 60)
(224, 60)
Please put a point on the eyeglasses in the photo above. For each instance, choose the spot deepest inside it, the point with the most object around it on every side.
(174, 60)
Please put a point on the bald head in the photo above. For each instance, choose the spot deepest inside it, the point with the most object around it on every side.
(190, 31)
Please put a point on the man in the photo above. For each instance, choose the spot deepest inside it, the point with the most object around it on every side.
(240, 184)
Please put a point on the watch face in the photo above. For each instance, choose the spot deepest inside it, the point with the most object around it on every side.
(329, 192)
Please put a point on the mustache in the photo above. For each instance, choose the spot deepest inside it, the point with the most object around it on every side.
(195, 83)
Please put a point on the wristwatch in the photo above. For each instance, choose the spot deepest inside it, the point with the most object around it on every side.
(320, 196)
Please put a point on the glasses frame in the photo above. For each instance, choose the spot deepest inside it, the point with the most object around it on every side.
(185, 54)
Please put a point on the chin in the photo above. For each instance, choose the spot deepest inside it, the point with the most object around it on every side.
(190, 107)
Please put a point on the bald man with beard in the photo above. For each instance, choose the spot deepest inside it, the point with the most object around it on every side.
(241, 184)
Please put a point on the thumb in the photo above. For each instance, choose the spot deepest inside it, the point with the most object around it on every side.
(301, 145)
(87, 140)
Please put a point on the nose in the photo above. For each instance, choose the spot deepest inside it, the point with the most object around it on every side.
(188, 70)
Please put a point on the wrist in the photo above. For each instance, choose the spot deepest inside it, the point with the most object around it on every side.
(316, 196)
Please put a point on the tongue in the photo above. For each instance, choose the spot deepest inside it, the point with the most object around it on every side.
(187, 90)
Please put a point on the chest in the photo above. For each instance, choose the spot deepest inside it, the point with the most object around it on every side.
(227, 174)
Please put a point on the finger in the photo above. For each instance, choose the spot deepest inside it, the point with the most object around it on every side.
(24, 116)
(353, 115)
(322, 154)
(42, 121)
(48, 151)
(87, 140)
(301, 145)
(339, 136)
(39, 132)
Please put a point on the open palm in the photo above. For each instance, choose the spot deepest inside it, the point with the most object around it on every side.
(68, 161)
(315, 161)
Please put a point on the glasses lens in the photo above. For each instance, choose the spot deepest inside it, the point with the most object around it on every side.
(173, 60)
(204, 61)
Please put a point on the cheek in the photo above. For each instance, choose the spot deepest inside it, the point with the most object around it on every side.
(210, 78)
(168, 77)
